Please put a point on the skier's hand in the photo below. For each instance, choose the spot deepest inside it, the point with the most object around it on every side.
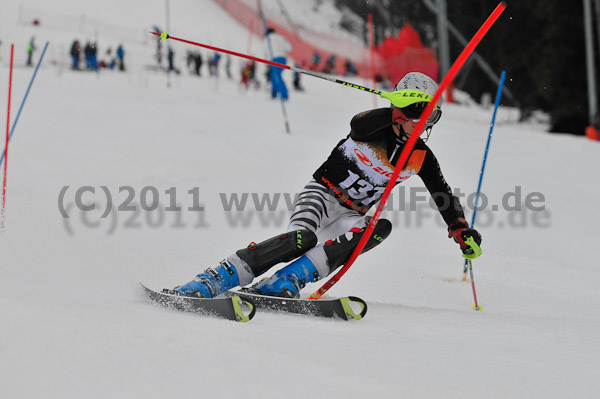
(468, 239)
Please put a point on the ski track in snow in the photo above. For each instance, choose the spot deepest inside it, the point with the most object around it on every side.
(75, 323)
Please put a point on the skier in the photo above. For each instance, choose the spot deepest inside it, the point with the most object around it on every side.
(332, 207)
(279, 46)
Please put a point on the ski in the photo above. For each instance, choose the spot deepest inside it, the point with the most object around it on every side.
(232, 307)
(340, 308)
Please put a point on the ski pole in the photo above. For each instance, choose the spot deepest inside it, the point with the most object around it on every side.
(485, 154)
(12, 129)
(265, 27)
(400, 98)
(410, 144)
(476, 306)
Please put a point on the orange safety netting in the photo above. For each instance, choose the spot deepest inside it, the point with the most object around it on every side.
(394, 57)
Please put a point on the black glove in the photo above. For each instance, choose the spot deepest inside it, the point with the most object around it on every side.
(461, 232)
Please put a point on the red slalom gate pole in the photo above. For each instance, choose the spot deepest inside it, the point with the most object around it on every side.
(12, 51)
(410, 144)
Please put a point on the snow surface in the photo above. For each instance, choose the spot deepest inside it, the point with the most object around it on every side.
(74, 322)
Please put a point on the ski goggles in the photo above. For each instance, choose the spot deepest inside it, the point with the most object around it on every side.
(414, 111)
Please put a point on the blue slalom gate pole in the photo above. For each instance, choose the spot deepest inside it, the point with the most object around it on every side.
(264, 21)
(12, 130)
(485, 154)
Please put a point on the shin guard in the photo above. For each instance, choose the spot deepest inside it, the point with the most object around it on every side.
(283, 248)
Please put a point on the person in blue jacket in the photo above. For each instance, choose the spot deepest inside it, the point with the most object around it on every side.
(120, 57)
(278, 47)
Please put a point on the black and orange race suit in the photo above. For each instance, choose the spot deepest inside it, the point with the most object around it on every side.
(360, 166)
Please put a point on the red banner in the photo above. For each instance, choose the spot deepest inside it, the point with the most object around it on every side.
(394, 57)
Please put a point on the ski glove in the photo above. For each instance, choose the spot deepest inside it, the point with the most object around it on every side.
(468, 239)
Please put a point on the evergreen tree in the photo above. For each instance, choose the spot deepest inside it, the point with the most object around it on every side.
(541, 45)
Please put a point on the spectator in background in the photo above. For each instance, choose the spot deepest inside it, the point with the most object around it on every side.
(87, 49)
(350, 68)
(252, 78)
(198, 63)
(189, 59)
(245, 75)
(121, 57)
(279, 46)
(94, 56)
(91, 60)
(75, 53)
(316, 59)
(213, 67)
(171, 60)
(194, 62)
(383, 82)
(108, 62)
(228, 67)
(330, 65)
(30, 50)
(248, 75)
(297, 84)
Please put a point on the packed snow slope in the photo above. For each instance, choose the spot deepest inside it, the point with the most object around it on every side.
(74, 322)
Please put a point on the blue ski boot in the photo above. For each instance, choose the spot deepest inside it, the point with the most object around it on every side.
(288, 281)
(212, 282)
